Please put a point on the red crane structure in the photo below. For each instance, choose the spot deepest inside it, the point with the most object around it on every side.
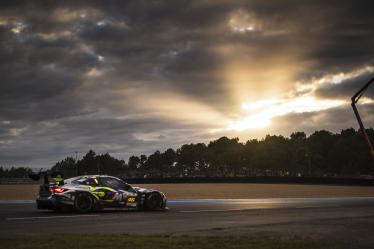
(355, 98)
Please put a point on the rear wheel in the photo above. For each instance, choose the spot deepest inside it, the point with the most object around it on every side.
(83, 203)
(153, 201)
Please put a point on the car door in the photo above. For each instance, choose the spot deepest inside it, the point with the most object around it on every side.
(124, 194)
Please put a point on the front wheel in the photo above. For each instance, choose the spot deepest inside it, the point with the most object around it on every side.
(83, 203)
(153, 201)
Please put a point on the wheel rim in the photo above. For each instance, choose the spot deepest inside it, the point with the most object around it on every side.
(84, 203)
(154, 201)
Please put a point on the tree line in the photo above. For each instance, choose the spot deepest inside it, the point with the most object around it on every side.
(15, 172)
(323, 153)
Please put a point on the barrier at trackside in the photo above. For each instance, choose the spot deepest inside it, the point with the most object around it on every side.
(264, 179)
(285, 180)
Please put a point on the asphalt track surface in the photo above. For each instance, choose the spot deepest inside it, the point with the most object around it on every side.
(346, 218)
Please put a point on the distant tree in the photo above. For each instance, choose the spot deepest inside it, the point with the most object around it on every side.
(106, 164)
(192, 160)
(154, 165)
(319, 145)
(88, 164)
(15, 172)
(250, 158)
(68, 167)
(298, 155)
(91, 164)
(168, 160)
(186, 162)
(274, 155)
(134, 163)
(143, 160)
(321, 154)
(225, 156)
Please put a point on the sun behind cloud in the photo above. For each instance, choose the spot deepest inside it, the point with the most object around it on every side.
(261, 112)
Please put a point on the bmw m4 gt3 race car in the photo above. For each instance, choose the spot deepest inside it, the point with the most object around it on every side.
(95, 192)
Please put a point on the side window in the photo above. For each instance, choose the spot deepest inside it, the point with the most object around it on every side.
(88, 181)
(127, 187)
(112, 183)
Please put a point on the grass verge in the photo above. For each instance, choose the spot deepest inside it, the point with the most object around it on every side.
(164, 242)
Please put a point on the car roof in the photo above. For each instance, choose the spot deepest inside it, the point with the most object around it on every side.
(76, 178)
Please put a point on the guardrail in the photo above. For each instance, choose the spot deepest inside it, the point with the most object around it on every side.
(268, 179)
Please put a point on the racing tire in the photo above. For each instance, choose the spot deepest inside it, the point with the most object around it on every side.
(83, 203)
(153, 201)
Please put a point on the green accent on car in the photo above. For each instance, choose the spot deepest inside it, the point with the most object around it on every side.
(100, 194)
(99, 188)
(56, 179)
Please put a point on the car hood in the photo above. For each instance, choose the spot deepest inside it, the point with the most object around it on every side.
(143, 190)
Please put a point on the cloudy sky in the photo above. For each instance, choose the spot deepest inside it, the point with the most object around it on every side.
(131, 77)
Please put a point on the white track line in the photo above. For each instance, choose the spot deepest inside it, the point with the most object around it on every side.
(54, 217)
(209, 210)
(250, 200)
(273, 200)
(253, 207)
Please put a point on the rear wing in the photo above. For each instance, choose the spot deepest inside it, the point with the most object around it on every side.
(355, 98)
(50, 179)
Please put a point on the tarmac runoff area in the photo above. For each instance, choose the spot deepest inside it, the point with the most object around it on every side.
(346, 218)
(320, 211)
(219, 191)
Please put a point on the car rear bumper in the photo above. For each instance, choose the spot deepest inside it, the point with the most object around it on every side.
(45, 203)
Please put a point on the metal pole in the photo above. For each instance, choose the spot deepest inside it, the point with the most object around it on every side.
(76, 162)
(355, 99)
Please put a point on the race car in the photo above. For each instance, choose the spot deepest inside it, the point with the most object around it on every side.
(95, 192)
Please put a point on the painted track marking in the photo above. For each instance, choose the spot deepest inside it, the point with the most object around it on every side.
(275, 200)
(54, 217)
(210, 210)
(250, 200)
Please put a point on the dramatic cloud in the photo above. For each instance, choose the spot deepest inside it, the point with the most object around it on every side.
(344, 87)
(131, 77)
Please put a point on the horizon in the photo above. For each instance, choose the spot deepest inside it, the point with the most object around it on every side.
(139, 76)
(79, 156)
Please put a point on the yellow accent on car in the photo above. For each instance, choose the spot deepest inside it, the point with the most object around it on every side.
(99, 188)
(56, 179)
(131, 199)
(106, 188)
